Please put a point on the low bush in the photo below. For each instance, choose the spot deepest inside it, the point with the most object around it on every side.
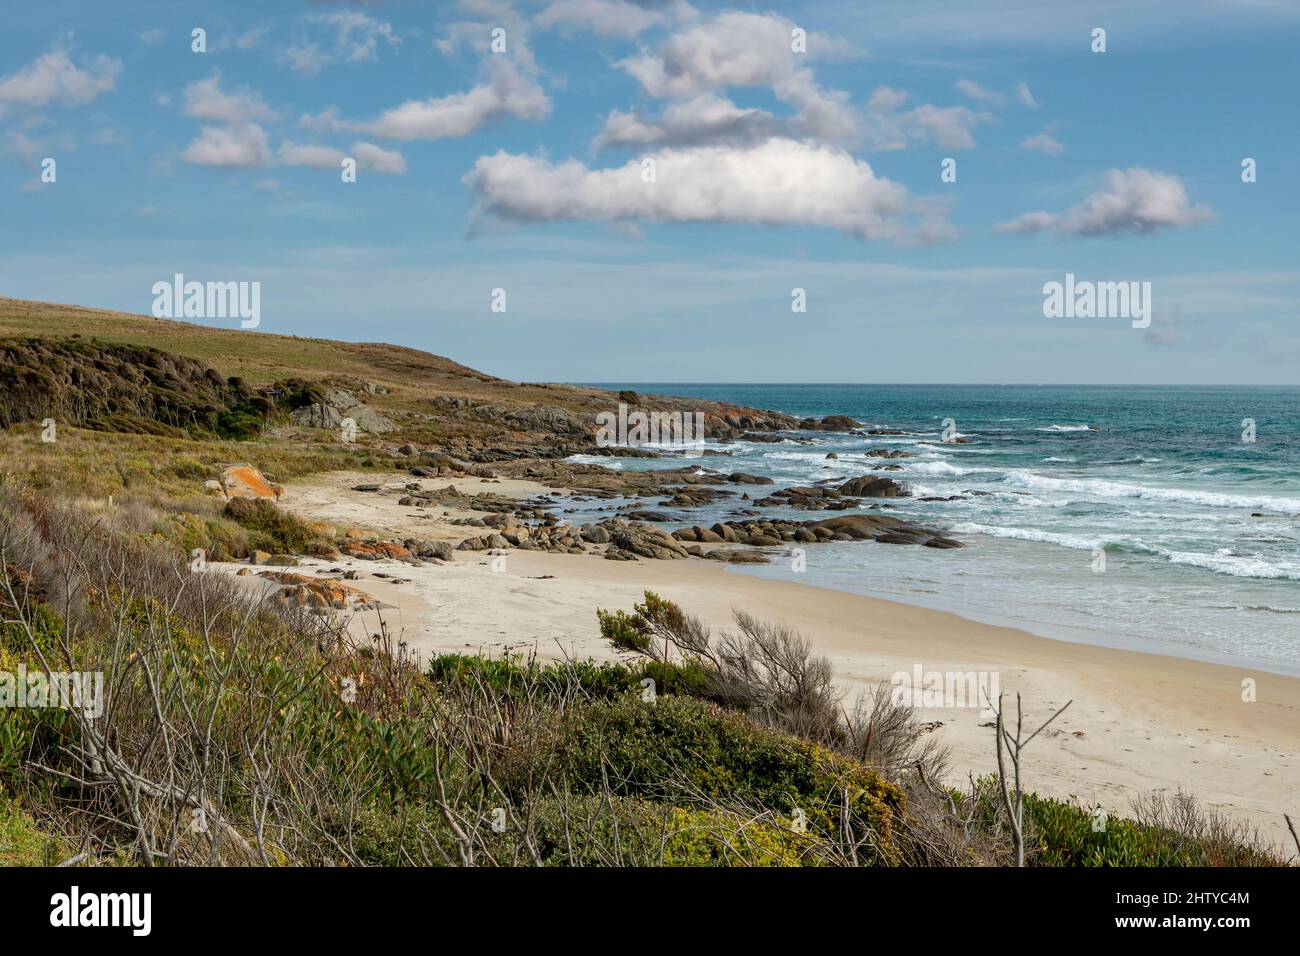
(270, 528)
(686, 751)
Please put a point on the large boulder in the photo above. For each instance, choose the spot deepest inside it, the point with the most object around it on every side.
(595, 534)
(341, 399)
(317, 415)
(646, 542)
(873, 486)
(883, 529)
(837, 423)
(245, 481)
(338, 405)
(369, 420)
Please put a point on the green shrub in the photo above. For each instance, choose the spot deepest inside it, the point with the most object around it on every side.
(219, 538)
(1064, 833)
(557, 681)
(584, 831)
(239, 424)
(681, 750)
(21, 843)
(272, 529)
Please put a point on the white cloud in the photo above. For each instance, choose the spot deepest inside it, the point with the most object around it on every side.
(326, 121)
(238, 146)
(509, 91)
(738, 49)
(611, 18)
(152, 36)
(317, 157)
(204, 100)
(250, 37)
(699, 121)
(886, 99)
(949, 126)
(368, 156)
(306, 58)
(372, 157)
(732, 50)
(52, 79)
(1025, 96)
(780, 182)
(42, 142)
(1044, 143)
(980, 94)
(350, 37)
(1133, 200)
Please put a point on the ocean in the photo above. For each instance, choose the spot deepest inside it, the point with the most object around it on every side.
(1134, 517)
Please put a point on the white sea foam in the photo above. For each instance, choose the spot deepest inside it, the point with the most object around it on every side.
(1222, 561)
(1240, 566)
(1065, 428)
(605, 461)
(1100, 488)
(1029, 534)
(938, 468)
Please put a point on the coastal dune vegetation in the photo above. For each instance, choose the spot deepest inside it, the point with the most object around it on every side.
(245, 732)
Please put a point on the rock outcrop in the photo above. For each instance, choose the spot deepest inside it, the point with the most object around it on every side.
(339, 404)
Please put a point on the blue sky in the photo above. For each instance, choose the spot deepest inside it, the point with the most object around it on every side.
(774, 169)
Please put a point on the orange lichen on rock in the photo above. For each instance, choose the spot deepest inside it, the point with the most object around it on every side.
(375, 550)
(317, 592)
(245, 481)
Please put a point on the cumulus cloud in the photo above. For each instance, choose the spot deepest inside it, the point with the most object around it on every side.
(204, 100)
(780, 182)
(743, 50)
(611, 18)
(238, 146)
(1026, 97)
(1133, 200)
(52, 79)
(732, 50)
(703, 120)
(1044, 143)
(348, 37)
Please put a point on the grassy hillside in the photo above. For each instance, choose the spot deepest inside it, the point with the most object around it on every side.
(258, 357)
(261, 358)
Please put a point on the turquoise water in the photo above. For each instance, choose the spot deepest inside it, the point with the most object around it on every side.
(1159, 479)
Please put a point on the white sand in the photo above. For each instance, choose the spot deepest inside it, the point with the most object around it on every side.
(1138, 722)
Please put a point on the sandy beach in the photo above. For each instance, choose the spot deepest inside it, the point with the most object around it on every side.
(1138, 722)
